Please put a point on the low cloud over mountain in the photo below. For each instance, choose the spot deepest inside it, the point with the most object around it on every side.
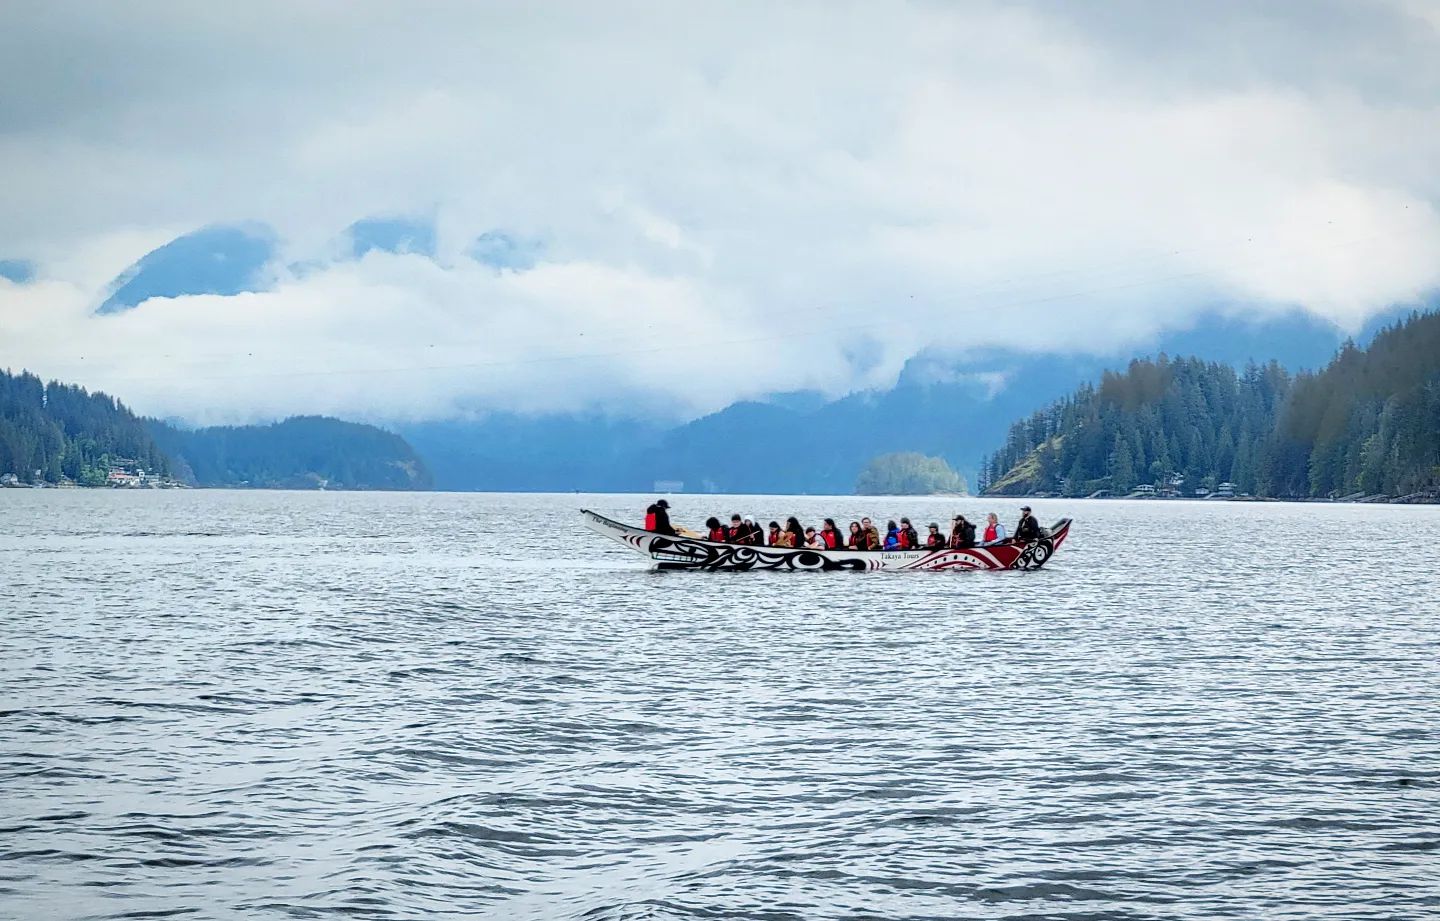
(396, 214)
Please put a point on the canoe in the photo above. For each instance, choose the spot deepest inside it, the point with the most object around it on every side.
(697, 553)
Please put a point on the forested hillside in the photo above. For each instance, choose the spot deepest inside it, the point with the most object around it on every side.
(304, 452)
(1159, 421)
(1368, 423)
(52, 433)
(63, 431)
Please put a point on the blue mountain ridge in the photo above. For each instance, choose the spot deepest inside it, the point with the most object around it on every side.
(212, 260)
(234, 259)
(802, 443)
(391, 235)
(501, 250)
(19, 271)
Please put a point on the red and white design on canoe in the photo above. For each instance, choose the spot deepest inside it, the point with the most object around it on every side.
(675, 552)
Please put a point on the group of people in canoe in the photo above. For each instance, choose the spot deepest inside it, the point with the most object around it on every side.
(861, 535)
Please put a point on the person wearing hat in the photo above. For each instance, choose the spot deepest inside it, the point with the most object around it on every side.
(962, 535)
(657, 518)
(934, 540)
(1028, 529)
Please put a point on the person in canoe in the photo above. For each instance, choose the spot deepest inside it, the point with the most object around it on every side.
(657, 518)
(813, 540)
(934, 540)
(797, 533)
(892, 536)
(962, 535)
(994, 531)
(872, 535)
(832, 537)
(906, 536)
(715, 531)
(739, 533)
(857, 537)
(779, 538)
(1028, 529)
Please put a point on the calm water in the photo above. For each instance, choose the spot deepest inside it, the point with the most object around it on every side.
(284, 705)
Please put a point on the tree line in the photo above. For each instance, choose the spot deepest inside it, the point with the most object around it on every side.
(1368, 423)
(302, 452)
(53, 431)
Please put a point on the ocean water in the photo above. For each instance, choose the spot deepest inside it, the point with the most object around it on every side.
(310, 705)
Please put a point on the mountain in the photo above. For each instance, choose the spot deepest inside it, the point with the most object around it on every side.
(304, 452)
(213, 260)
(550, 453)
(1369, 422)
(18, 271)
(234, 259)
(391, 235)
(53, 431)
(501, 250)
(956, 407)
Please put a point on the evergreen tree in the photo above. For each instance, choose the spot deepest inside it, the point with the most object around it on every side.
(1369, 422)
(51, 431)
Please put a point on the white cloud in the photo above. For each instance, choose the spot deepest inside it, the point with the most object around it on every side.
(733, 198)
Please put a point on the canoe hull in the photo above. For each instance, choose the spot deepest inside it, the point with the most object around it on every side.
(696, 553)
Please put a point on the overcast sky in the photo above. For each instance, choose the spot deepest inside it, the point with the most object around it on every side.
(727, 198)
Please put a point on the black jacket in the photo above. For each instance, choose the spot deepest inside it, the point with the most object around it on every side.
(963, 537)
(662, 521)
(748, 534)
(1028, 529)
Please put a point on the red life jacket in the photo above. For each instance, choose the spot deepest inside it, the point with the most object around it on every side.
(718, 534)
(902, 538)
(649, 521)
(831, 539)
(989, 532)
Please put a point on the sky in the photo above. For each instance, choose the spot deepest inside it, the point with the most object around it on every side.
(714, 201)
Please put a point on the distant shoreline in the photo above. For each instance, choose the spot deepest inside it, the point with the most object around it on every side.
(700, 497)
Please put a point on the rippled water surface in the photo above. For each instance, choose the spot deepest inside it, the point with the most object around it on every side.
(287, 705)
